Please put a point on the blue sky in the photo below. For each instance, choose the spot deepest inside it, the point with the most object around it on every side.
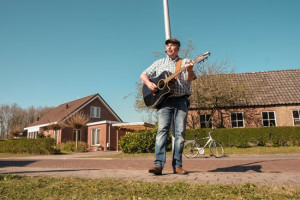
(55, 51)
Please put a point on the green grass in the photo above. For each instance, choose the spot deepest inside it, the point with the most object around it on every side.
(263, 150)
(22, 187)
(7, 155)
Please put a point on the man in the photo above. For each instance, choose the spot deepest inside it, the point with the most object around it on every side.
(176, 107)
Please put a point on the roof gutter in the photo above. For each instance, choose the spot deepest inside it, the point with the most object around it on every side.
(37, 128)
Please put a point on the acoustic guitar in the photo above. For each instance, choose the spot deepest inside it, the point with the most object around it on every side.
(165, 83)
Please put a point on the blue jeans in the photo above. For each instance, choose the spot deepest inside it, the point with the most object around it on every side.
(176, 108)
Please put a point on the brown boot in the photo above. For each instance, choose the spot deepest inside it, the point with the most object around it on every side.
(157, 170)
(179, 170)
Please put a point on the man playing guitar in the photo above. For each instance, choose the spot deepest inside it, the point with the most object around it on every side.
(175, 106)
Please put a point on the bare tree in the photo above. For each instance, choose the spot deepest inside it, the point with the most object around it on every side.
(16, 131)
(77, 121)
(217, 88)
(14, 118)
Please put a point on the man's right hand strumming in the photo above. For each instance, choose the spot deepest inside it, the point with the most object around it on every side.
(146, 81)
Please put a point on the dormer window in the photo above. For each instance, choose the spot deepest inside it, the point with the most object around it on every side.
(95, 112)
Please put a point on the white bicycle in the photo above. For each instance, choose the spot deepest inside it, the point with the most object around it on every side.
(192, 147)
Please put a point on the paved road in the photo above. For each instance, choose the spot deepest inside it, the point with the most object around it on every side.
(258, 169)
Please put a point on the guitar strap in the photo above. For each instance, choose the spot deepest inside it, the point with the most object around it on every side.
(178, 66)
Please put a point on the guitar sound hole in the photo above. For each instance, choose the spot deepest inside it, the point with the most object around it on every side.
(161, 84)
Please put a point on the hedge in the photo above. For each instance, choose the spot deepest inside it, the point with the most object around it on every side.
(249, 137)
(70, 146)
(141, 142)
(32, 146)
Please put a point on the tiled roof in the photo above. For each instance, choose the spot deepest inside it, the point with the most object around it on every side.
(269, 87)
(60, 112)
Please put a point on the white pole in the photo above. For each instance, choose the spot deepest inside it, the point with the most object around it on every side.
(167, 19)
(168, 36)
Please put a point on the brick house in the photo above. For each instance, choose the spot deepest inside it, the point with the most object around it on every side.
(98, 132)
(276, 102)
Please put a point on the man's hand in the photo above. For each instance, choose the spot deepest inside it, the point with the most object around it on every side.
(152, 86)
(189, 67)
(146, 81)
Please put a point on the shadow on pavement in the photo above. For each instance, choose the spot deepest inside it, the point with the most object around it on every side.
(15, 163)
(238, 168)
(241, 168)
(48, 171)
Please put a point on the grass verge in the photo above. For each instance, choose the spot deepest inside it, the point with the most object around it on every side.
(263, 150)
(8, 155)
(22, 187)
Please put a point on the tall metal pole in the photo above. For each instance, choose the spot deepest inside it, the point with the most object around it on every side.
(167, 19)
(168, 36)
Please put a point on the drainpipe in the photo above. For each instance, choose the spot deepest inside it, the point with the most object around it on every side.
(117, 140)
(109, 124)
(1, 129)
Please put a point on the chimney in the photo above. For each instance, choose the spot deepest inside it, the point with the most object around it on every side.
(67, 106)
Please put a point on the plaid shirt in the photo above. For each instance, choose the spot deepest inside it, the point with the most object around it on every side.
(182, 86)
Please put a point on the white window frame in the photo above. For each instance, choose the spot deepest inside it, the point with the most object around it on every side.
(92, 142)
(95, 112)
(205, 121)
(32, 135)
(268, 111)
(296, 110)
(237, 120)
(55, 134)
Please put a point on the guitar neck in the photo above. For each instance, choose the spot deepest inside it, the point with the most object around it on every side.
(198, 59)
(175, 74)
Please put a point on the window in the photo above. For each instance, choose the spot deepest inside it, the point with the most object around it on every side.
(268, 118)
(95, 137)
(32, 135)
(95, 112)
(237, 120)
(56, 132)
(296, 117)
(74, 134)
(56, 136)
(205, 121)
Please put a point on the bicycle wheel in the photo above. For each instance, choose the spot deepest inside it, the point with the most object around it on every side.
(190, 149)
(216, 149)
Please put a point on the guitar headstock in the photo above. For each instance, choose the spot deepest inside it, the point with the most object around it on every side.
(201, 57)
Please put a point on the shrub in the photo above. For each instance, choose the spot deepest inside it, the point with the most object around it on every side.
(248, 137)
(32, 146)
(70, 146)
(141, 142)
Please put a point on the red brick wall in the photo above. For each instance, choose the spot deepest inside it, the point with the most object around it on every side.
(104, 113)
(252, 116)
(66, 134)
(50, 133)
(106, 130)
